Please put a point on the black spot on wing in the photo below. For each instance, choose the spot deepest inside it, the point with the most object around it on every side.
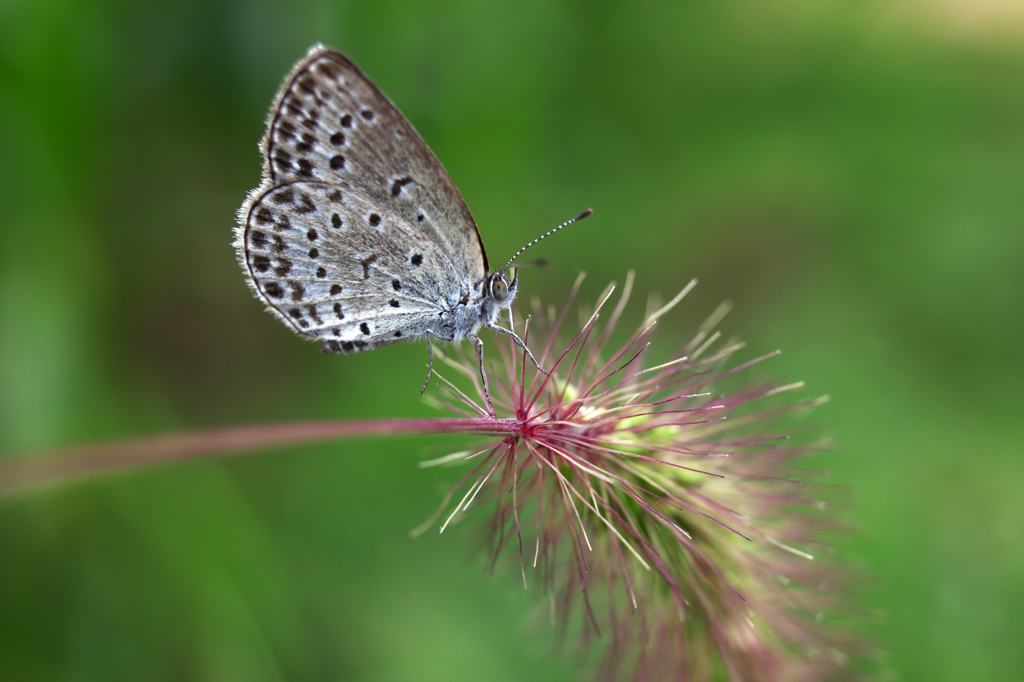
(260, 263)
(285, 130)
(366, 263)
(286, 196)
(264, 216)
(307, 144)
(306, 205)
(283, 160)
(397, 185)
(284, 266)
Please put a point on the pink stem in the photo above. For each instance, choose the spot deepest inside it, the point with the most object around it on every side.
(25, 473)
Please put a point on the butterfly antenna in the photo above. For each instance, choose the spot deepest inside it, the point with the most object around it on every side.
(578, 218)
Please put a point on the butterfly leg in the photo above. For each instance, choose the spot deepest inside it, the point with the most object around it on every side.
(430, 357)
(430, 364)
(520, 343)
(483, 375)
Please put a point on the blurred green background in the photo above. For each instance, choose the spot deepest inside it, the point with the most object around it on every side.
(851, 175)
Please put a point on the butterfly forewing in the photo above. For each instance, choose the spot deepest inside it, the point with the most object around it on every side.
(357, 233)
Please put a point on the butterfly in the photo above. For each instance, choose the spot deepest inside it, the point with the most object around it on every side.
(356, 236)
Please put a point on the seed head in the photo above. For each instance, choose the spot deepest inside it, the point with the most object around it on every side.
(655, 504)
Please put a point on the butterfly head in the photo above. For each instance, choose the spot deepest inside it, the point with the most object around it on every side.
(499, 292)
(500, 289)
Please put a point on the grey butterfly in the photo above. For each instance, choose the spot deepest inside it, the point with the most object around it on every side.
(356, 236)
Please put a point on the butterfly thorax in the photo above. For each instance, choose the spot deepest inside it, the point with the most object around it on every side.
(499, 293)
(478, 309)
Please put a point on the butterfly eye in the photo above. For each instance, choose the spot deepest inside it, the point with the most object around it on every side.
(499, 289)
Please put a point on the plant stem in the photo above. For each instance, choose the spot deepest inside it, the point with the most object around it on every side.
(26, 473)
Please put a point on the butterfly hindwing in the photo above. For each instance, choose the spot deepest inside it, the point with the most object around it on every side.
(320, 263)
